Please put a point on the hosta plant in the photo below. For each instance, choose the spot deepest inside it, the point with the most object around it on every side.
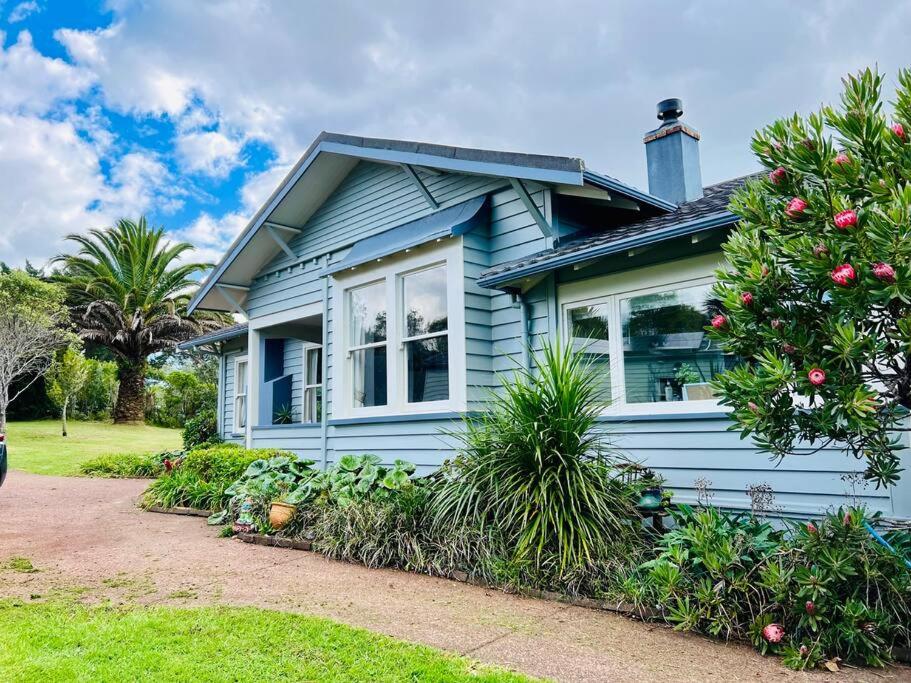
(356, 477)
(817, 289)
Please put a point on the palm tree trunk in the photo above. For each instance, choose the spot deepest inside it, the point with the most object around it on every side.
(131, 396)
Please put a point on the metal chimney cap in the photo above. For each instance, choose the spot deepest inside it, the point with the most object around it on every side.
(670, 109)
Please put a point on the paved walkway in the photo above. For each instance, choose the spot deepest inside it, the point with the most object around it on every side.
(88, 533)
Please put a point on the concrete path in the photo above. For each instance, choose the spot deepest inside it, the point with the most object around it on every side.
(88, 534)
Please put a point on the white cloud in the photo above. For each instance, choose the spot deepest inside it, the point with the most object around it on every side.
(23, 11)
(32, 83)
(208, 152)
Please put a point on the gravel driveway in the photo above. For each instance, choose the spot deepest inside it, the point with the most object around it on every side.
(87, 535)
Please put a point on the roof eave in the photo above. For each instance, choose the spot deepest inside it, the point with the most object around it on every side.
(621, 188)
(213, 337)
(503, 280)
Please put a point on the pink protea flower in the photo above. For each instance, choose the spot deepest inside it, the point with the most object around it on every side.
(804, 650)
(778, 175)
(788, 348)
(820, 250)
(811, 528)
(168, 465)
(810, 607)
(776, 324)
(845, 219)
(795, 207)
(817, 377)
(719, 321)
(747, 298)
(773, 633)
(846, 520)
(842, 159)
(899, 131)
(753, 408)
(844, 274)
(884, 272)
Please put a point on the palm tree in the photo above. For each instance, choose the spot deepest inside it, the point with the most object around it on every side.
(128, 293)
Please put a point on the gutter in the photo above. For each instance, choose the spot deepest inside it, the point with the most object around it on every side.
(498, 280)
(213, 337)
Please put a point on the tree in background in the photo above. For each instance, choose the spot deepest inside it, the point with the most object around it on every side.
(33, 321)
(95, 400)
(66, 378)
(817, 290)
(129, 292)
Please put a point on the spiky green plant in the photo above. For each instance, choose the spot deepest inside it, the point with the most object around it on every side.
(535, 467)
(129, 293)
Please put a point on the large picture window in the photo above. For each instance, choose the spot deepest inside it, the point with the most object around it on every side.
(649, 343)
(403, 332)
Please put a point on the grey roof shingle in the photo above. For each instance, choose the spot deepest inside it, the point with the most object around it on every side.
(712, 204)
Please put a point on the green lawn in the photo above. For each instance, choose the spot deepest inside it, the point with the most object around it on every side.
(69, 642)
(38, 447)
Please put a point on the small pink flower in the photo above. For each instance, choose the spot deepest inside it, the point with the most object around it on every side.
(765, 271)
(817, 377)
(753, 408)
(810, 607)
(795, 208)
(820, 250)
(804, 650)
(842, 159)
(845, 219)
(788, 348)
(811, 528)
(843, 275)
(884, 272)
(899, 131)
(747, 298)
(773, 633)
(778, 175)
(776, 324)
(168, 465)
(719, 321)
(846, 520)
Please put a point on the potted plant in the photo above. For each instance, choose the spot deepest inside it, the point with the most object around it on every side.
(283, 508)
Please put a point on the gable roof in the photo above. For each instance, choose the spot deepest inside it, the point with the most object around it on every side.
(327, 162)
(709, 211)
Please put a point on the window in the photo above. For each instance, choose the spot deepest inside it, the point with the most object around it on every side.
(241, 383)
(313, 384)
(426, 335)
(402, 328)
(645, 332)
(367, 344)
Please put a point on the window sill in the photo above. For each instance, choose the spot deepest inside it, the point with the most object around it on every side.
(654, 417)
(398, 417)
(293, 425)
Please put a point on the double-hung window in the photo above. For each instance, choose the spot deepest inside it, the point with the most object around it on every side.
(241, 383)
(313, 384)
(645, 333)
(402, 328)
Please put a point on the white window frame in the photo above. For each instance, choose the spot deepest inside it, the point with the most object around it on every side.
(236, 429)
(610, 290)
(390, 270)
(308, 384)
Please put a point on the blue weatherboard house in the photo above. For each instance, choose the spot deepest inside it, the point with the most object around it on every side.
(386, 283)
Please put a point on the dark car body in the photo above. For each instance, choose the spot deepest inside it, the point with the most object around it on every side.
(3, 464)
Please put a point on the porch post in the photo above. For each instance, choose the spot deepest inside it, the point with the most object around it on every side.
(253, 365)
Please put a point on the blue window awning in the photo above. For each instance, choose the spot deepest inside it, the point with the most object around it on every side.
(453, 220)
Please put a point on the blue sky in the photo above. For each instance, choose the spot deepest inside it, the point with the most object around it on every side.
(191, 112)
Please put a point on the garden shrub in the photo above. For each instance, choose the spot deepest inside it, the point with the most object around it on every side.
(534, 468)
(124, 465)
(201, 430)
(200, 477)
(813, 594)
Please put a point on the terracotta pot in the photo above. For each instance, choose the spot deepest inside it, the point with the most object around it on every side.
(280, 514)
